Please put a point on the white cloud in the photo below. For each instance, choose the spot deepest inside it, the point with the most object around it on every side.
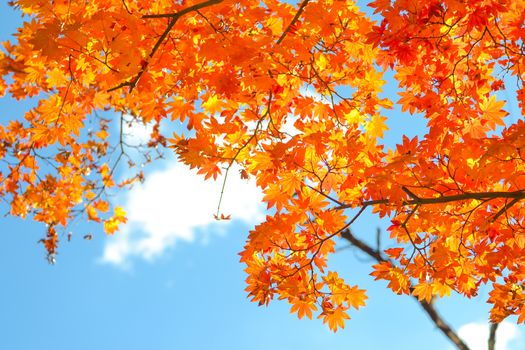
(476, 335)
(174, 205)
(135, 132)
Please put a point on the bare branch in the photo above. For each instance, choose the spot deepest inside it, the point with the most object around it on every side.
(492, 336)
(428, 307)
(365, 248)
(442, 325)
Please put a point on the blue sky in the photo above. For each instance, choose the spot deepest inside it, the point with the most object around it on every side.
(172, 280)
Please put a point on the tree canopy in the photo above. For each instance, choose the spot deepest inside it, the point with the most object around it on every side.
(292, 93)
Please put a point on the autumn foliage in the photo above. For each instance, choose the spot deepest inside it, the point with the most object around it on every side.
(293, 95)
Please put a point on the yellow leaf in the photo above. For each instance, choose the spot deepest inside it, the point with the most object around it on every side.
(120, 213)
(275, 25)
(111, 225)
(493, 111)
(335, 318)
(423, 291)
(92, 214)
(376, 127)
(213, 105)
(56, 77)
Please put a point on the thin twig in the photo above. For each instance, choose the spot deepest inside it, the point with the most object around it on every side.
(174, 17)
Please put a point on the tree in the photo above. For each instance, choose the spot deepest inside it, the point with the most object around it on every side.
(292, 94)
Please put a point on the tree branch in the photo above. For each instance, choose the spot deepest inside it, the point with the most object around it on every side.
(294, 20)
(365, 248)
(177, 15)
(442, 325)
(492, 335)
(516, 195)
(427, 307)
(174, 17)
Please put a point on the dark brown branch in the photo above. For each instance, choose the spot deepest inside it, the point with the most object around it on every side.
(294, 20)
(126, 6)
(517, 195)
(378, 239)
(365, 248)
(428, 307)
(173, 20)
(410, 193)
(177, 15)
(505, 208)
(211, 24)
(492, 336)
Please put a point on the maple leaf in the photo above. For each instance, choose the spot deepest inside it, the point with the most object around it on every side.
(112, 224)
(213, 104)
(209, 170)
(493, 111)
(376, 126)
(56, 77)
(233, 77)
(335, 318)
(356, 297)
(222, 217)
(423, 291)
(92, 214)
(303, 308)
